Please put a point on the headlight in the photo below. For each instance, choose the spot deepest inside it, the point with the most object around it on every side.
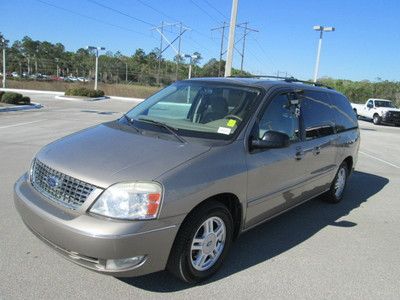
(132, 201)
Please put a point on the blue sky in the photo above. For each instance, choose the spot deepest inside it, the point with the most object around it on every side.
(366, 44)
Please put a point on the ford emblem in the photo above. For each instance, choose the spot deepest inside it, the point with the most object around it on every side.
(52, 181)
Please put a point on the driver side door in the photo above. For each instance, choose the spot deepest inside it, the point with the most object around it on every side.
(275, 176)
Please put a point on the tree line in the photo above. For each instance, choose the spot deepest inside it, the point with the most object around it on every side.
(28, 56)
(360, 91)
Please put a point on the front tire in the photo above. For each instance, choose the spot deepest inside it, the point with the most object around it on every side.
(338, 186)
(202, 243)
(377, 119)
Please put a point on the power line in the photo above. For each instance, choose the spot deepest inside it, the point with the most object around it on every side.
(121, 12)
(156, 10)
(266, 55)
(92, 18)
(216, 9)
(204, 11)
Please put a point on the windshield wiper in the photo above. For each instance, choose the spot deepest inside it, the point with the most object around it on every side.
(170, 129)
(130, 122)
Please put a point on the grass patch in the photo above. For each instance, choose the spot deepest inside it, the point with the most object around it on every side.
(122, 90)
(83, 91)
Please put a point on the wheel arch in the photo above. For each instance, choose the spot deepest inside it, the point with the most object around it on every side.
(350, 162)
(232, 203)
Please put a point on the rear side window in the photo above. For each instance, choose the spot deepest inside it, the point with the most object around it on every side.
(345, 118)
(317, 115)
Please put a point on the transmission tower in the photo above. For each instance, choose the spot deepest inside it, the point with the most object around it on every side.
(246, 31)
(178, 37)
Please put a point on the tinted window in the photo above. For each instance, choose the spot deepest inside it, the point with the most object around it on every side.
(280, 116)
(317, 115)
(345, 118)
(380, 103)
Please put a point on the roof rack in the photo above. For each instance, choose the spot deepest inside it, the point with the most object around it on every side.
(287, 79)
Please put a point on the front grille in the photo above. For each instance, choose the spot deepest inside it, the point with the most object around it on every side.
(394, 114)
(59, 187)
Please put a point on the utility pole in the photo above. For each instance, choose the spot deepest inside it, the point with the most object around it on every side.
(221, 52)
(36, 64)
(163, 37)
(96, 49)
(160, 52)
(231, 40)
(29, 64)
(58, 69)
(179, 51)
(4, 44)
(126, 72)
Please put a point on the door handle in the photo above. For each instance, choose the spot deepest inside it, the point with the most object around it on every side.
(299, 154)
(317, 150)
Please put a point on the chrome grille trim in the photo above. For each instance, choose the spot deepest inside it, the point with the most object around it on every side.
(59, 187)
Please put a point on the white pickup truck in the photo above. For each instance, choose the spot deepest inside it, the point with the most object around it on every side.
(379, 111)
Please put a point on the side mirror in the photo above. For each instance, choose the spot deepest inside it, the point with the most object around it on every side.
(271, 139)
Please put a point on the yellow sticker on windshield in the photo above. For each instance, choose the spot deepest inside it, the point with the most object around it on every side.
(231, 123)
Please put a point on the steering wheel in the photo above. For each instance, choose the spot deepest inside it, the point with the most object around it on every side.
(237, 118)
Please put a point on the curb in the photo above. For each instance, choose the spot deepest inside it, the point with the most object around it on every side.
(62, 94)
(62, 97)
(21, 107)
(32, 91)
(127, 99)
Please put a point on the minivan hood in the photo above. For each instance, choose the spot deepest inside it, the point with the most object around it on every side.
(104, 155)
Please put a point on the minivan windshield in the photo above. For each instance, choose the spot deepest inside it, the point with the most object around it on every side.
(197, 109)
(381, 103)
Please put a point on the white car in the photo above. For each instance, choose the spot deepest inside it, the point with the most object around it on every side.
(379, 111)
(82, 79)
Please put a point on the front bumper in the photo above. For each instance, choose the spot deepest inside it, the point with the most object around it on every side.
(89, 241)
(391, 118)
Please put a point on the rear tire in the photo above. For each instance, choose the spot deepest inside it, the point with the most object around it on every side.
(338, 186)
(202, 243)
(377, 119)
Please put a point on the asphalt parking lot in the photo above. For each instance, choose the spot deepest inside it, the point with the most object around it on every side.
(316, 251)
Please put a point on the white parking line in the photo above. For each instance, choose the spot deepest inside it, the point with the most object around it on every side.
(381, 160)
(20, 124)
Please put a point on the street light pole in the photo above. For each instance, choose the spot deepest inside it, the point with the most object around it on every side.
(321, 30)
(190, 70)
(97, 63)
(191, 57)
(97, 70)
